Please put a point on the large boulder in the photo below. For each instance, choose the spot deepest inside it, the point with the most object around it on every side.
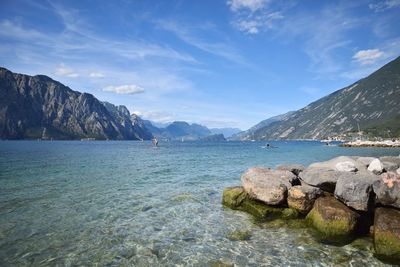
(356, 190)
(332, 219)
(236, 198)
(365, 161)
(331, 164)
(387, 233)
(267, 185)
(302, 197)
(392, 159)
(387, 189)
(323, 178)
(390, 166)
(346, 166)
(294, 168)
(376, 166)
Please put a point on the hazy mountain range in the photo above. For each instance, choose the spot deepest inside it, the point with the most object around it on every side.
(180, 130)
(372, 103)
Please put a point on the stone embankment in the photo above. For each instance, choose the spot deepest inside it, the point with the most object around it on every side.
(342, 198)
(359, 143)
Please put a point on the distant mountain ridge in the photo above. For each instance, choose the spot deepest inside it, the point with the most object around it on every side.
(179, 130)
(31, 106)
(249, 134)
(369, 101)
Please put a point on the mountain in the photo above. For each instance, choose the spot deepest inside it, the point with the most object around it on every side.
(369, 102)
(213, 138)
(227, 132)
(249, 134)
(179, 130)
(33, 106)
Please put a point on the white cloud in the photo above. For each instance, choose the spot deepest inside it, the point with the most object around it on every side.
(156, 116)
(253, 16)
(65, 71)
(253, 24)
(124, 89)
(252, 5)
(369, 56)
(96, 75)
(384, 5)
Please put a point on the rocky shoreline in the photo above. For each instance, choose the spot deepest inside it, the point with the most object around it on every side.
(386, 143)
(342, 199)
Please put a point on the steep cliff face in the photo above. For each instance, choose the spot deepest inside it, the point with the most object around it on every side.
(369, 101)
(29, 104)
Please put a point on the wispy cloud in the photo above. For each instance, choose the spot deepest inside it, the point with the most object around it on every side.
(96, 75)
(369, 56)
(217, 48)
(129, 89)
(381, 6)
(253, 16)
(63, 70)
(252, 5)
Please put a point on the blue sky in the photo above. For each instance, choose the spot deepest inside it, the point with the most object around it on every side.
(227, 63)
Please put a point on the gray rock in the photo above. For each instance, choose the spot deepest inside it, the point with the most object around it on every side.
(346, 166)
(376, 166)
(294, 168)
(355, 190)
(267, 185)
(398, 171)
(391, 159)
(331, 164)
(387, 189)
(302, 197)
(365, 161)
(322, 178)
(389, 166)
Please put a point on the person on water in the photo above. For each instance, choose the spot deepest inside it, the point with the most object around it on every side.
(155, 141)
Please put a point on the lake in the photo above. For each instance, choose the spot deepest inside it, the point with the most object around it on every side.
(123, 203)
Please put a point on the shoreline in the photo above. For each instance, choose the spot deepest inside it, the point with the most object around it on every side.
(386, 143)
(342, 199)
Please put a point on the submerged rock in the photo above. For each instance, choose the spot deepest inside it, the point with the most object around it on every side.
(302, 197)
(387, 189)
(376, 166)
(239, 235)
(387, 233)
(332, 219)
(294, 168)
(356, 190)
(267, 185)
(233, 197)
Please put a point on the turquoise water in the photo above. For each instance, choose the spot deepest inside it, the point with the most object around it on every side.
(127, 204)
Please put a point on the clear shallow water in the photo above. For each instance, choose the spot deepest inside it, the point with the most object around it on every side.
(125, 203)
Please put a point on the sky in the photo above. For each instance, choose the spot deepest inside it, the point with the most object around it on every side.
(220, 63)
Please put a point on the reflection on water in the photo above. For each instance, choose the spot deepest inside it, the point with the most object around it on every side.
(125, 203)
